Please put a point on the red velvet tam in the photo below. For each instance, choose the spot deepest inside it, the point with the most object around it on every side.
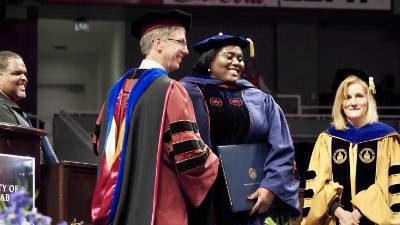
(155, 19)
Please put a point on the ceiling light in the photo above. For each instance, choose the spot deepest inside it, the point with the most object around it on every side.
(81, 25)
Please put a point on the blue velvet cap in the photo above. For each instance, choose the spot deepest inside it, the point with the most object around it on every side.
(219, 41)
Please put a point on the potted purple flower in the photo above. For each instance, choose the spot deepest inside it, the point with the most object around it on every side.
(19, 211)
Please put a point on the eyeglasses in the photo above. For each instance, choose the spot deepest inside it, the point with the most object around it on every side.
(181, 43)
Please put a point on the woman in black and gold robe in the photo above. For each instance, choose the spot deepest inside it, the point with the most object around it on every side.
(354, 172)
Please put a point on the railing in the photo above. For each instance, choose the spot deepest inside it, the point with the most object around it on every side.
(307, 121)
(303, 111)
(72, 136)
(79, 132)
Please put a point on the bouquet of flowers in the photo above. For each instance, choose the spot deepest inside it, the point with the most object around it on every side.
(18, 211)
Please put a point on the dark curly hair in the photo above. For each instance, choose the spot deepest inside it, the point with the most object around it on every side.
(203, 64)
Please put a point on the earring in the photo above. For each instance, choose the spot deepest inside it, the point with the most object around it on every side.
(209, 70)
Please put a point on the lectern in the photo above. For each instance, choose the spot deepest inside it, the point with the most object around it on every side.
(23, 141)
(67, 191)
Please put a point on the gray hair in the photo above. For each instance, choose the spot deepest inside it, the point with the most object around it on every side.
(5, 57)
(147, 39)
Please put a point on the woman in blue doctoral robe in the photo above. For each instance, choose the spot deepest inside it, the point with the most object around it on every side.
(232, 111)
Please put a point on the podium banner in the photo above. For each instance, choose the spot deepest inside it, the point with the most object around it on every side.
(16, 172)
(338, 4)
(147, 2)
(249, 3)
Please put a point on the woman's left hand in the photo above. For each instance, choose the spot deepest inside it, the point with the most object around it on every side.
(264, 199)
(356, 214)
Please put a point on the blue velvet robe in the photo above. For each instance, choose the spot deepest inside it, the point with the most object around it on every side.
(267, 124)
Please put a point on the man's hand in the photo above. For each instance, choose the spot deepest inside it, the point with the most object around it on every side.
(264, 199)
(346, 217)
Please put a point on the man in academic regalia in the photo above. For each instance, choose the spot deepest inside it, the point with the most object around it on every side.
(153, 161)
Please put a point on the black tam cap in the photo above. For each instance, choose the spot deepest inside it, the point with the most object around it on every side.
(342, 74)
(219, 41)
(154, 19)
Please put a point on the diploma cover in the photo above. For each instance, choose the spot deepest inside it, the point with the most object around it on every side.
(242, 166)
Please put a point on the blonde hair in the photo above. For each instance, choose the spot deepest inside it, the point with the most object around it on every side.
(338, 117)
(147, 39)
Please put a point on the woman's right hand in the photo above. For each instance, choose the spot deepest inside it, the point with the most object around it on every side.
(345, 217)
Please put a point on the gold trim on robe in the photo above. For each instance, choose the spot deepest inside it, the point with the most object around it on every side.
(376, 202)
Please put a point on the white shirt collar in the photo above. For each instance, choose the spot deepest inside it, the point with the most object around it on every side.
(149, 64)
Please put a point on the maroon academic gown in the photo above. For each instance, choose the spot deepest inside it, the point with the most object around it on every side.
(186, 168)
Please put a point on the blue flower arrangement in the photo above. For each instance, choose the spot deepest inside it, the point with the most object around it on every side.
(18, 211)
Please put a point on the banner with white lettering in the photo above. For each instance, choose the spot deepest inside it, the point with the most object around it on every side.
(17, 172)
(338, 4)
(249, 3)
(147, 2)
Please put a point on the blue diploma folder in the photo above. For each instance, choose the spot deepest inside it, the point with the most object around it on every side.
(242, 166)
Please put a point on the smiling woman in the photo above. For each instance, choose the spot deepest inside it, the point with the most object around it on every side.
(228, 64)
(354, 163)
(231, 111)
(356, 104)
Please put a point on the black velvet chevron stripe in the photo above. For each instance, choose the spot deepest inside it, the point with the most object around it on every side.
(309, 175)
(395, 207)
(182, 126)
(305, 212)
(367, 169)
(394, 169)
(394, 189)
(308, 193)
(192, 163)
(341, 172)
(178, 127)
(187, 146)
(167, 136)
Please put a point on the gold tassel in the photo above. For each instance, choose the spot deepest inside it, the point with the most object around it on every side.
(251, 48)
(371, 85)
